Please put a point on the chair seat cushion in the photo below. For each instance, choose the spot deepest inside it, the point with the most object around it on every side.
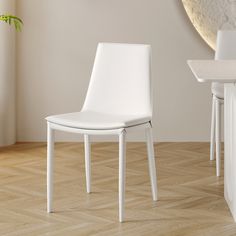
(97, 120)
(217, 89)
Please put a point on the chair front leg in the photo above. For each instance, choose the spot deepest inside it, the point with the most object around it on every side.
(151, 162)
(50, 159)
(87, 148)
(122, 167)
(213, 118)
(218, 136)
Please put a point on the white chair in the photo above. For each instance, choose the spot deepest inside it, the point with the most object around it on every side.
(225, 50)
(118, 98)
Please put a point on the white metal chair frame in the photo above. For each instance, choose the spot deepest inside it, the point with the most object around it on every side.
(122, 159)
(216, 132)
(143, 55)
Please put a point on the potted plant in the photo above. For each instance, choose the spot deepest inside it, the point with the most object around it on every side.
(16, 21)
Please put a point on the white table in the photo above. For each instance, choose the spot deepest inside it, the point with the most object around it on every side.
(224, 72)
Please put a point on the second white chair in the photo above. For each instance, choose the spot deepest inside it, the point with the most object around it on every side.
(118, 99)
(225, 50)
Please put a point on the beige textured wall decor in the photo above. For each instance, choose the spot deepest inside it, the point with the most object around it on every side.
(208, 16)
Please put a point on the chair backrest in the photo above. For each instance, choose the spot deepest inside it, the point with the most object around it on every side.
(121, 80)
(226, 45)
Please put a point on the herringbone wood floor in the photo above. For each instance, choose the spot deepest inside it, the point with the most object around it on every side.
(190, 202)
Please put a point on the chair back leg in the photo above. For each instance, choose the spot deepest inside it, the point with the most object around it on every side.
(122, 167)
(151, 163)
(50, 159)
(87, 151)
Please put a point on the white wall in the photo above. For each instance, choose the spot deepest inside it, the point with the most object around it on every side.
(55, 53)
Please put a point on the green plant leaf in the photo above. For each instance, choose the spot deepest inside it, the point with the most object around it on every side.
(9, 19)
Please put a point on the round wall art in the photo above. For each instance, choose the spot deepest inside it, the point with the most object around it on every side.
(208, 16)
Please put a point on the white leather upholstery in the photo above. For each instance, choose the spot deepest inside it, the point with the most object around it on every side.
(119, 93)
(225, 50)
(120, 81)
(97, 120)
(118, 97)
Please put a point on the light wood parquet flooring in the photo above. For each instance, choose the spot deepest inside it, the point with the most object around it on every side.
(190, 202)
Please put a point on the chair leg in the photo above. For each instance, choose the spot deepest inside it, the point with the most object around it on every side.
(50, 157)
(151, 163)
(87, 148)
(122, 166)
(213, 115)
(218, 136)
